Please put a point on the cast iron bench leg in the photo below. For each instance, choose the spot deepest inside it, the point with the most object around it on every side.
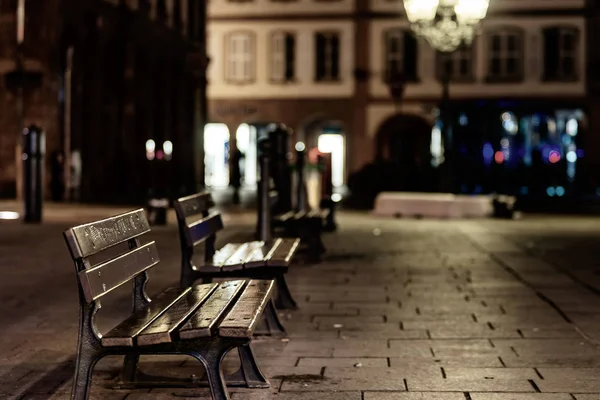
(214, 373)
(271, 325)
(249, 372)
(89, 351)
(284, 300)
(129, 372)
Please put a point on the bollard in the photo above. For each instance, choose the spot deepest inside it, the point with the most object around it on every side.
(300, 192)
(34, 147)
(263, 225)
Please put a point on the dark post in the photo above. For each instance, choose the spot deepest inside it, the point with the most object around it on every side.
(34, 147)
(264, 207)
(300, 192)
(279, 168)
(448, 178)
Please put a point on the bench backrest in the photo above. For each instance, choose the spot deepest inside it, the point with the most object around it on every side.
(96, 239)
(196, 222)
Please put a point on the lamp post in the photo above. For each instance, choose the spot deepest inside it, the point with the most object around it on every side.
(446, 25)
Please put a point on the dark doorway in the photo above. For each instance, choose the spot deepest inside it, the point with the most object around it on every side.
(403, 141)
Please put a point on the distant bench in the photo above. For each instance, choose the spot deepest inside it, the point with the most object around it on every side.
(257, 259)
(203, 321)
(306, 225)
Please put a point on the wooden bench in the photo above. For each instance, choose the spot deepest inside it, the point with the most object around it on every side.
(257, 260)
(204, 321)
(308, 226)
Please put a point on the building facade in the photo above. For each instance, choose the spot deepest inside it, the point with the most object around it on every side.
(119, 97)
(518, 96)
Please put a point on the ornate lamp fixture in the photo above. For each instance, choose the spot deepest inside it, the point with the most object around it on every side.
(446, 24)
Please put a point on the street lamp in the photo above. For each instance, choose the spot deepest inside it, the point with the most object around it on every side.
(446, 25)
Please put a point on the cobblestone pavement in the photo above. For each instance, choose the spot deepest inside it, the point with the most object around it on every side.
(399, 310)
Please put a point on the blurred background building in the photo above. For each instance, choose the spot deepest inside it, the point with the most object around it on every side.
(122, 91)
(519, 98)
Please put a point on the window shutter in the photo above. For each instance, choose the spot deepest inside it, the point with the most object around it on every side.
(410, 56)
(290, 56)
(320, 56)
(335, 56)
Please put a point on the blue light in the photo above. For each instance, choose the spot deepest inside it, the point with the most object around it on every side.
(463, 120)
(560, 191)
(546, 152)
(524, 190)
(571, 156)
(598, 191)
(488, 151)
(551, 191)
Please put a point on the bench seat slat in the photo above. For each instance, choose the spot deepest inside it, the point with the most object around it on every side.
(285, 217)
(123, 334)
(284, 253)
(300, 215)
(104, 277)
(204, 320)
(237, 260)
(243, 317)
(260, 256)
(221, 256)
(160, 330)
(201, 229)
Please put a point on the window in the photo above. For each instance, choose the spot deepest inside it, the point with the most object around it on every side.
(400, 54)
(505, 56)
(457, 66)
(240, 61)
(327, 45)
(560, 53)
(283, 49)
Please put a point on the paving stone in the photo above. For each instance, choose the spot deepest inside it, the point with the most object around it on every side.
(472, 331)
(550, 360)
(254, 395)
(490, 373)
(590, 384)
(595, 396)
(432, 384)
(413, 396)
(461, 360)
(521, 396)
(569, 373)
(348, 380)
(343, 362)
